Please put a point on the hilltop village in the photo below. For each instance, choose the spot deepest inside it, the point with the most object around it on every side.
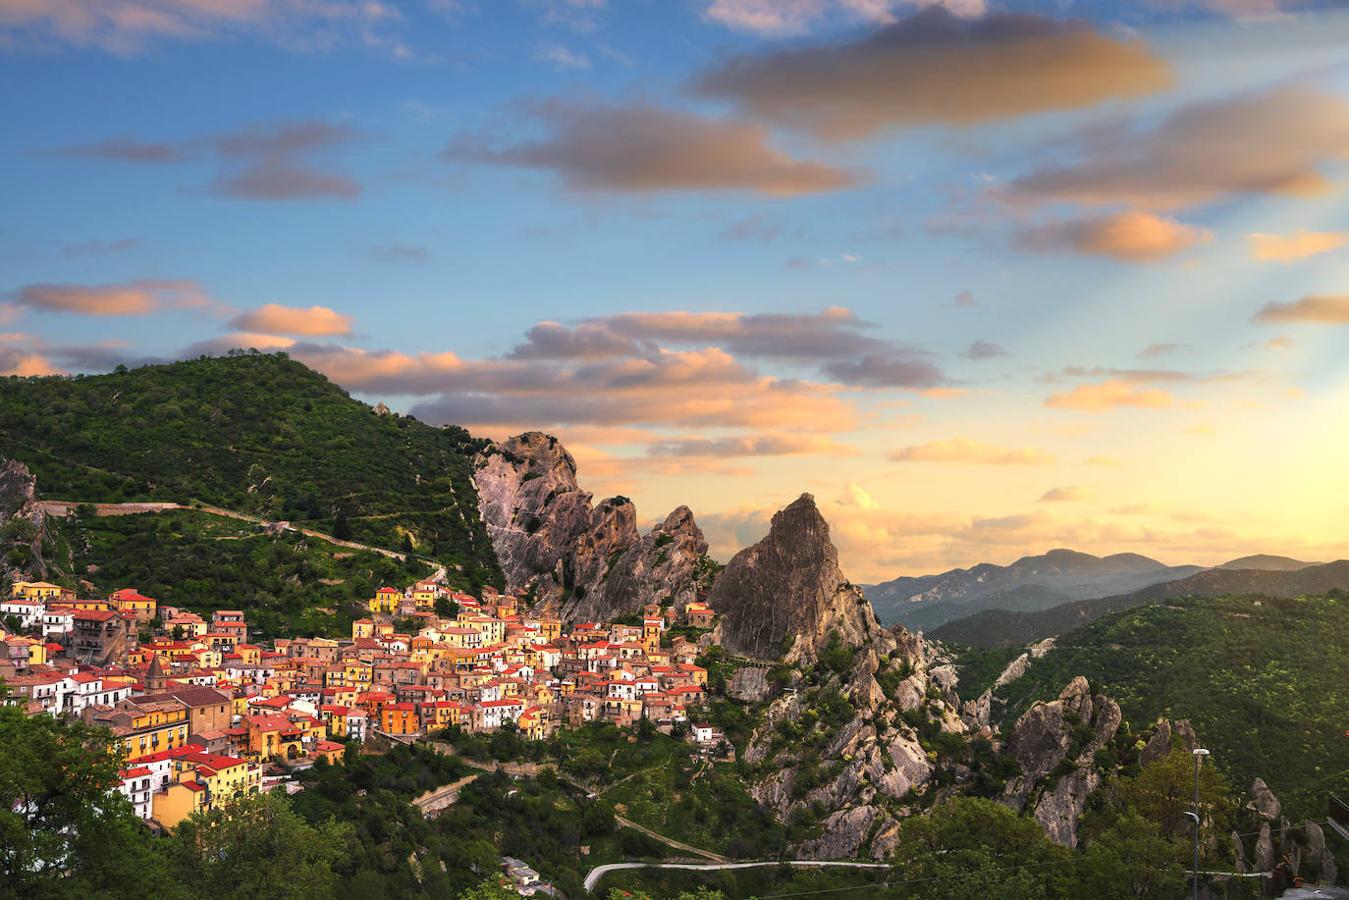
(205, 715)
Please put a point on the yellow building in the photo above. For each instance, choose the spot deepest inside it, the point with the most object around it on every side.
(385, 601)
(425, 598)
(132, 601)
(148, 729)
(35, 590)
(203, 781)
(362, 628)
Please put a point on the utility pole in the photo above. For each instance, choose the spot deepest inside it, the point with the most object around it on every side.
(1199, 754)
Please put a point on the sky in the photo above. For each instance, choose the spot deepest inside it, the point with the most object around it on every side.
(986, 278)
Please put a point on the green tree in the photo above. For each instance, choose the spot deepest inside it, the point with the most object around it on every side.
(973, 849)
(488, 889)
(63, 832)
(1130, 859)
(258, 847)
(1164, 791)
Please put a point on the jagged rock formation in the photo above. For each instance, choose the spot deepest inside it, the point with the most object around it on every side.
(1263, 802)
(580, 561)
(872, 763)
(22, 522)
(1163, 737)
(785, 595)
(1070, 729)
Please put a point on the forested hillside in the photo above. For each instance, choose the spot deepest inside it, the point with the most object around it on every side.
(1265, 681)
(256, 433)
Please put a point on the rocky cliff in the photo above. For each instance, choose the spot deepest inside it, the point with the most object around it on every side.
(579, 559)
(852, 744)
(786, 596)
(1049, 738)
(22, 524)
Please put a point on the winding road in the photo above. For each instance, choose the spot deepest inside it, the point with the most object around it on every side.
(594, 875)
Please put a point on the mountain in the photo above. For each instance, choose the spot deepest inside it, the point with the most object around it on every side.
(996, 627)
(259, 434)
(1029, 584)
(1267, 563)
(581, 560)
(1264, 680)
(786, 596)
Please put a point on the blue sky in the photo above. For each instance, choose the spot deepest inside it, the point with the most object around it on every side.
(996, 277)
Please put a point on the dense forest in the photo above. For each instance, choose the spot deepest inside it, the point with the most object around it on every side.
(1265, 681)
(254, 433)
(288, 584)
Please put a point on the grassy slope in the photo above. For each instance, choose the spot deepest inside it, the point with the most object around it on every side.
(254, 433)
(288, 584)
(1265, 682)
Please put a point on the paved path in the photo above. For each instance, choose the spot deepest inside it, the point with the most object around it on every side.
(595, 874)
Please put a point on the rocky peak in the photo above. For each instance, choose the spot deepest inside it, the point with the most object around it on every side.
(18, 501)
(1071, 729)
(785, 595)
(575, 559)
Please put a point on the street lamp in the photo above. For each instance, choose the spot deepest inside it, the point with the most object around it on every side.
(1199, 754)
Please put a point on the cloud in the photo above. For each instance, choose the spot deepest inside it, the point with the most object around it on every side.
(400, 253)
(854, 495)
(135, 298)
(274, 162)
(779, 18)
(832, 339)
(1273, 142)
(98, 248)
(125, 27)
(981, 350)
(314, 321)
(642, 148)
(902, 370)
(1065, 495)
(753, 445)
(1291, 248)
(1133, 236)
(1106, 395)
(937, 68)
(963, 450)
(1156, 351)
(562, 57)
(1314, 309)
(757, 227)
(964, 300)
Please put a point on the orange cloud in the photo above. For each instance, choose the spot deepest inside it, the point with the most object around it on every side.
(1132, 236)
(962, 450)
(1299, 245)
(314, 321)
(1204, 152)
(136, 298)
(644, 148)
(1108, 395)
(1065, 495)
(1314, 309)
(935, 67)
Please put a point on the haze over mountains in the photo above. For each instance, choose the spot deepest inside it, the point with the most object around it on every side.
(1035, 583)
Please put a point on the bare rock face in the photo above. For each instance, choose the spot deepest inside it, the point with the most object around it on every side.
(1165, 736)
(1263, 801)
(18, 505)
(785, 595)
(1264, 849)
(578, 560)
(1071, 729)
(666, 565)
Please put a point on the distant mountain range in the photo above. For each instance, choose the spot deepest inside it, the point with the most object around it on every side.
(1001, 627)
(1035, 583)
